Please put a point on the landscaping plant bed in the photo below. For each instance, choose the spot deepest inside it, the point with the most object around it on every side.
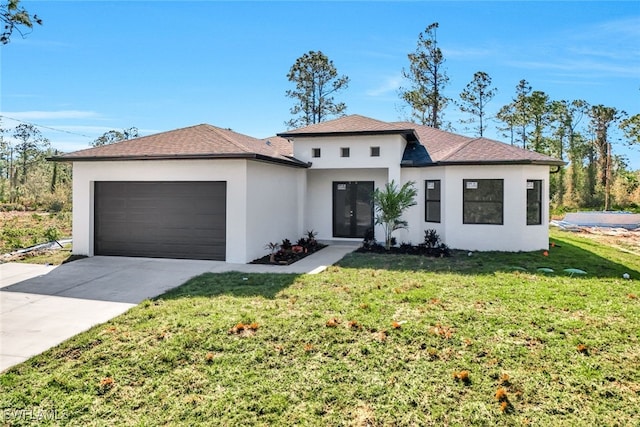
(406, 249)
(287, 258)
(431, 247)
(286, 253)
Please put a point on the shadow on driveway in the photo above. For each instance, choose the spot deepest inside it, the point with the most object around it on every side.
(114, 279)
(58, 303)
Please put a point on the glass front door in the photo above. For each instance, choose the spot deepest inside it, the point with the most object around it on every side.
(352, 208)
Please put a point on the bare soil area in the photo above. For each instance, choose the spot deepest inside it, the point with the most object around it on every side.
(628, 240)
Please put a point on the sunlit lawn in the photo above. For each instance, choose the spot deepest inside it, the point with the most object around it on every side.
(377, 340)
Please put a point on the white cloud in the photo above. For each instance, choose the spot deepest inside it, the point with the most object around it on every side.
(390, 84)
(627, 27)
(467, 53)
(581, 67)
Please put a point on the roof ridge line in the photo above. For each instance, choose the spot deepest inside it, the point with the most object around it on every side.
(457, 150)
(236, 143)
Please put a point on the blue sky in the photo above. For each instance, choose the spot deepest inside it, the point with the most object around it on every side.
(160, 65)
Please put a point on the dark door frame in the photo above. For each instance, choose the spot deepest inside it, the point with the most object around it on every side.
(353, 201)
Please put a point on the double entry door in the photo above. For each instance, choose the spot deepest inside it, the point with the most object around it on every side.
(352, 208)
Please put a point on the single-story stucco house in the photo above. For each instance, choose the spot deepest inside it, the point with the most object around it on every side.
(204, 192)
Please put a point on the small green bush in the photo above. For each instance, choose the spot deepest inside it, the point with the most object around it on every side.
(52, 234)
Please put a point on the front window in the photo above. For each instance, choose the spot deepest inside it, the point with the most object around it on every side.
(483, 201)
(432, 201)
(534, 202)
(315, 152)
(344, 152)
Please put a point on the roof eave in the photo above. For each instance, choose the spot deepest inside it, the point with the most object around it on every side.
(290, 161)
(493, 163)
(410, 133)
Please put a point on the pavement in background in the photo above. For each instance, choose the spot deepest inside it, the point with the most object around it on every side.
(42, 306)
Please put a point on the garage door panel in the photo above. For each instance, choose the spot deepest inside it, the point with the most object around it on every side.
(161, 219)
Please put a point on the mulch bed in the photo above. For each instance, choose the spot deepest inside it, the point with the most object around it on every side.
(288, 257)
(405, 249)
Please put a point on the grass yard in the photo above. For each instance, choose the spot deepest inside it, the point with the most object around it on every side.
(376, 340)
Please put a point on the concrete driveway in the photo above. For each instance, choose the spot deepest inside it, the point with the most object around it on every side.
(42, 306)
(58, 303)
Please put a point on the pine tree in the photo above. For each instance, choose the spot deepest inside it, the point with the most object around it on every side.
(428, 79)
(316, 80)
(474, 99)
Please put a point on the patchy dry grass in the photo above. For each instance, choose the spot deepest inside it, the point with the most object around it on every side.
(20, 230)
(374, 341)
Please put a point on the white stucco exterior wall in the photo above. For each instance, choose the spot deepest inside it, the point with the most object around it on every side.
(275, 206)
(391, 149)
(513, 235)
(415, 215)
(331, 166)
(243, 216)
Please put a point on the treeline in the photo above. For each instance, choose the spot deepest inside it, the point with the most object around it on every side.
(580, 134)
(27, 180)
(571, 130)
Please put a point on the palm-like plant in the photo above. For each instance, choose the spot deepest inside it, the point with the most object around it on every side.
(389, 205)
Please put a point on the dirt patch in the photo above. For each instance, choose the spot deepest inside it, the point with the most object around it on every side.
(627, 240)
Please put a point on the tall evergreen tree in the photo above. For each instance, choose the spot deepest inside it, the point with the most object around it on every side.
(565, 116)
(427, 78)
(316, 80)
(602, 118)
(507, 115)
(474, 99)
(539, 115)
(630, 127)
(29, 147)
(521, 110)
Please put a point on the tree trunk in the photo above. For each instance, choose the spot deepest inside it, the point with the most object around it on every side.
(607, 178)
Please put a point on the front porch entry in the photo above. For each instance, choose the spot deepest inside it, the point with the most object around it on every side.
(352, 208)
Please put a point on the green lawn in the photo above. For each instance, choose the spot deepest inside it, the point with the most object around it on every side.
(377, 340)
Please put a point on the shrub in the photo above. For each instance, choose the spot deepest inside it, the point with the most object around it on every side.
(52, 234)
(431, 238)
(390, 203)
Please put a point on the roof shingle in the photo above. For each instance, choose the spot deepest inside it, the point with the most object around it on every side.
(350, 125)
(443, 147)
(191, 142)
(206, 141)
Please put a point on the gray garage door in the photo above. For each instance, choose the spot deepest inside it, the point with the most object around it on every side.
(161, 219)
